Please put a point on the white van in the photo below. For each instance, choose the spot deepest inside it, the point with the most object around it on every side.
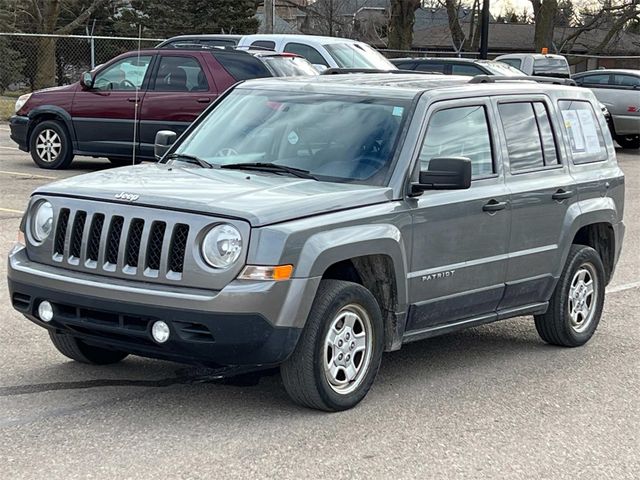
(322, 52)
(545, 65)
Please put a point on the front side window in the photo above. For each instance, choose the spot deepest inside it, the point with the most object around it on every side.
(462, 69)
(180, 74)
(307, 52)
(459, 132)
(126, 74)
(626, 80)
(583, 130)
(599, 79)
(357, 55)
(335, 138)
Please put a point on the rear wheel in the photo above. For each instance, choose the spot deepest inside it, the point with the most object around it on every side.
(576, 305)
(339, 352)
(77, 350)
(628, 141)
(50, 145)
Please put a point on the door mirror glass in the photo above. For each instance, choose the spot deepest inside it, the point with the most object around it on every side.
(86, 80)
(164, 140)
(445, 173)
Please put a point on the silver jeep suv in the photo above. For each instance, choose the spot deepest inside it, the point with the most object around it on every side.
(314, 223)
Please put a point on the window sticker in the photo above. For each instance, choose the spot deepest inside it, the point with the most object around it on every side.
(572, 123)
(293, 137)
(397, 111)
(589, 130)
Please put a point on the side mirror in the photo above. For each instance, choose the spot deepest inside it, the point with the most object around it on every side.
(164, 140)
(86, 80)
(444, 173)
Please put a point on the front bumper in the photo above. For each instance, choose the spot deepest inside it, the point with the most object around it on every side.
(19, 126)
(244, 326)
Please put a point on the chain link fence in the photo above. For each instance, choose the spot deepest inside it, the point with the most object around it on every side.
(20, 59)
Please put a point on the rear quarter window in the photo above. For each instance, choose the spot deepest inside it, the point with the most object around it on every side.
(583, 131)
(241, 66)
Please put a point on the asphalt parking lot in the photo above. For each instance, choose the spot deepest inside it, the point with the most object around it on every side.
(490, 402)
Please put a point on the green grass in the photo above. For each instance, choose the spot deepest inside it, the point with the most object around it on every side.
(7, 104)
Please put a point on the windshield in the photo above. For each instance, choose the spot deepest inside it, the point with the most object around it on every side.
(499, 68)
(337, 138)
(284, 66)
(551, 65)
(358, 55)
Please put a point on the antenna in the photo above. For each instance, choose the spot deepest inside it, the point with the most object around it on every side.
(136, 103)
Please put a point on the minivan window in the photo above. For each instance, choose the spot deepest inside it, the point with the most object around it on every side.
(523, 138)
(126, 74)
(241, 66)
(583, 130)
(307, 52)
(459, 132)
(180, 74)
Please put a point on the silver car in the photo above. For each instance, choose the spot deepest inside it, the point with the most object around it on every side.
(619, 91)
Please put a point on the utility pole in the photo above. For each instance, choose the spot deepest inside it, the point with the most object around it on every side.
(484, 30)
(269, 14)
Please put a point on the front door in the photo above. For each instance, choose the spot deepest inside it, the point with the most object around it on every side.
(104, 116)
(180, 88)
(460, 237)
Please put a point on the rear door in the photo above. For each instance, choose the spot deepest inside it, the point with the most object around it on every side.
(104, 116)
(180, 88)
(460, 237)
(627, 117)
(542, 191)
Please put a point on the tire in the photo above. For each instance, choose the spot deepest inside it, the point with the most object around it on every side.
(79, 351)
(50, 145)
(123, 162)
(559, 326)
(350, 314)
(628, 141)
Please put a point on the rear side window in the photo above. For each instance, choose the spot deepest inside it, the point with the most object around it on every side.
(530, 140)
(459, 132)
(514, 62)
(461, 69)
(583, 130)
(241, 66)
(599, 79)
(431, 67)
(180, 74)
(266, 44)
(626, 80)
(307, 52)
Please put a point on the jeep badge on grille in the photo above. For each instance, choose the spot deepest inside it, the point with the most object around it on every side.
(129, 197)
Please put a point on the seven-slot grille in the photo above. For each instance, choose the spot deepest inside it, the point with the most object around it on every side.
(113, 243)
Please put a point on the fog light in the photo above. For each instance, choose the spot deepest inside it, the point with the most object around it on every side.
(160, 331)
(45, 311)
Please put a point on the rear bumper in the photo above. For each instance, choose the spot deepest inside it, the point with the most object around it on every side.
(19, 126)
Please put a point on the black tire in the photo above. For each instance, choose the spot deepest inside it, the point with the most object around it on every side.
(79, 351)
(628, 141)
(556, 326)
(123, 162)
(57, 158)
(303, 374)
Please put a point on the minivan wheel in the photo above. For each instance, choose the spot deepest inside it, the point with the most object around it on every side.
(576, 305)
(50, 145)
(628, 141)
(339, 351)
(77, 350)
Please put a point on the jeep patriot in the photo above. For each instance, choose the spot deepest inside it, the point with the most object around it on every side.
(314, 223)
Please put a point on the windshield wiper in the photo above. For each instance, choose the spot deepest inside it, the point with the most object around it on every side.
(184, 157)
(270, 167)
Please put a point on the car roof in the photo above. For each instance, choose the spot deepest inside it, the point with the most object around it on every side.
(435, 59)
(309, 39)
(628, 71)
(219, 36)
(535, 56)
(405, 85)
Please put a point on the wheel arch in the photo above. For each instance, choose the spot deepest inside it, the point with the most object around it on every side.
(50, 112)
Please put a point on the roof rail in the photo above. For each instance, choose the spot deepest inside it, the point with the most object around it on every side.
(533, 78)
(337, 71)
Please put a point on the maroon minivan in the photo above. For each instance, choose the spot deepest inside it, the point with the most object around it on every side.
(118, 108)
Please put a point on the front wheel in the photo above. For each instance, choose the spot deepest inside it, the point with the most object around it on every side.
(339, 352)
(50, 145)
(77, 350)
(576, 304)
(628, 141)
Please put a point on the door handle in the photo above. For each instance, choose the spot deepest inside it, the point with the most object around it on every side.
(494, 206)
(133, 99)
(203, 100)
(562, 194)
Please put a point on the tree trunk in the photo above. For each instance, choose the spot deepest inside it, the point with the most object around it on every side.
(544, 13)
(457, 35)
(46, 63)
(402, 18)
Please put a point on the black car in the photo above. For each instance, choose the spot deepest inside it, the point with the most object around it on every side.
(456, 66)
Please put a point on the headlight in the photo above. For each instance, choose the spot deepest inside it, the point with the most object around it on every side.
(222, 246)
(22, 99)
(42, 221)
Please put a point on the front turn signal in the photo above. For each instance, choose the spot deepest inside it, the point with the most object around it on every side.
(260, 272)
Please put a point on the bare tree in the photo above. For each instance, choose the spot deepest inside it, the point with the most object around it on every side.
(401, 19)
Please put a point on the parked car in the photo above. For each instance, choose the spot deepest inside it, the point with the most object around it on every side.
(619, 91)
(153, 90)
(545, 65)
(457, 66)
(322, 52)
(313, 223)
(222, 40)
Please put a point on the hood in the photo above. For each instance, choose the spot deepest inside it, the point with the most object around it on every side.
(64, 88)
(260, 198)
